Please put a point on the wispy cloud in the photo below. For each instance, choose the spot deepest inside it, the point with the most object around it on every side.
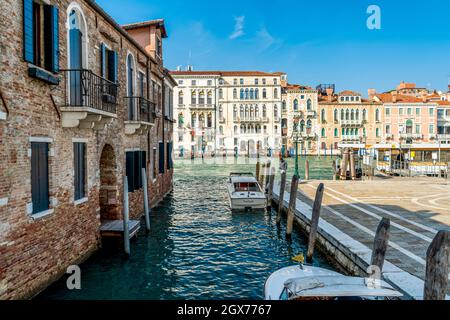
(238, 27)
(267, 41)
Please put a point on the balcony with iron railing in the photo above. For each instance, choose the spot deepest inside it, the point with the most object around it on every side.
(351, 137)
(352, 122)
(90, 101)
(310, 113)
(141, 115)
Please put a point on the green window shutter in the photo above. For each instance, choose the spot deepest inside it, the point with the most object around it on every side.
(28, 31)
(51, 38)
(103, 60)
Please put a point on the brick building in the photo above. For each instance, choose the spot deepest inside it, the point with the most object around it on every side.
(83, 102)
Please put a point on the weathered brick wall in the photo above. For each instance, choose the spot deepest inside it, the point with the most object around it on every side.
(34, 252)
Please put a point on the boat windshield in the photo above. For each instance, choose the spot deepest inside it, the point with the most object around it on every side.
(246, 187)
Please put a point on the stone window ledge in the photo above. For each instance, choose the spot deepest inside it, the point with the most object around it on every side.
(42, 214)
(81, 201)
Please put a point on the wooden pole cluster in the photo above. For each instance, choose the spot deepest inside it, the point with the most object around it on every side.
(315, 222)
(281, 197)
(436, 276)
(126, 218)
(307, 170)
(292, 202)
(380, 243)
(146, 200)
(344, 165)
(267, 175)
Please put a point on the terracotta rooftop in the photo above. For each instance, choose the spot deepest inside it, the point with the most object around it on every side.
(349, 93)
(227, 73)
(443, 103)
(388, 97)
(159, 23)
(297, 87)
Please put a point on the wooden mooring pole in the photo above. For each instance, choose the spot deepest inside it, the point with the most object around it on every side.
(436, 275)
(292, 202)
(126, 218)
(146, 202)
(352, 165)
(258, 169)
(281, 197)
(261, 175)
(267, 175)
(380, 243)
(314, 222)
(344, 164)
(307, 170)
(334, 170)
(270, 190)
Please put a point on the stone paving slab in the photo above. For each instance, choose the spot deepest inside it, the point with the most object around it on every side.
(414, 205)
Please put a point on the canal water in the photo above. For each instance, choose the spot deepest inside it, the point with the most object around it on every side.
(197, 248)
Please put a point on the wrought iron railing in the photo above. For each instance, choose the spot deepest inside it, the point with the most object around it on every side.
(83, 88)
(140, 109)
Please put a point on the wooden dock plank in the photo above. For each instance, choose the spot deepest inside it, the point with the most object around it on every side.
(114, 228)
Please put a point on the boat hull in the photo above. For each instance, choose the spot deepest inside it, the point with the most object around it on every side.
(241, 204)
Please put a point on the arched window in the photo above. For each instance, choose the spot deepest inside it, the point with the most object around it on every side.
(322, 115)
(347, 114)
(264, 93)
(234, 93)
(343, 131)
(252, 112)
(220, 93)
(242, 112)
(252, 94)
(264, 111)
(302, 126)
(220, 130)
(236, 130)
(377, 130)
(242, 96)
(342, 114)
(377, 115)
(324, 145)
(247, 112)
(193, 120)
(256, 93)
(209, 120)
(234, 112)
(364, 132)
(336, 132)
(209, 97)
(275, 111)
(180, 97)
(180, 120)
(130, 87)
(201, 97)
(246, 94)
(295, 105)
(193, 97)
(336, 115)
(309, 105)
(283, 106)
(352, 117)
(276, 129)
(201, 120)
(295, 127)
(364, 115)
(357, 114)
(308, 126)
(409, 126)
(220, 112)
(257, 112)
(275, 93)
(323, 132)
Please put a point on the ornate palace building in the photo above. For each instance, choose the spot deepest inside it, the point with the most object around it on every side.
(299, 119)
(227, 112)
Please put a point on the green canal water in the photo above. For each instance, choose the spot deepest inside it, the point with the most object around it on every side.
(197, 248)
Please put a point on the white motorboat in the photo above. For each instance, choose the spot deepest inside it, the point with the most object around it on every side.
(304, 282)
(245, 192)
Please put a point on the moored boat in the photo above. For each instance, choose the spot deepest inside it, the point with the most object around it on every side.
(245, 192)
(304, 282)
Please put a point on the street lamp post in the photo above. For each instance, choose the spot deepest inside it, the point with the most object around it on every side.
(296, 138)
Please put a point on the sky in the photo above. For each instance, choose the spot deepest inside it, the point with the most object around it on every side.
(314, 42)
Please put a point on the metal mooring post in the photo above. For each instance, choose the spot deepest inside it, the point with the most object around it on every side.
(126, 218)
(146, 202)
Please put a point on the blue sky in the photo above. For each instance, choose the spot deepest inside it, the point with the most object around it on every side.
(325, 41)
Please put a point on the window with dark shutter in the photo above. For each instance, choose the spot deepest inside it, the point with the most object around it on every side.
(28, 31)
(161, 157)
(135, 161)
(169, 156)
(112, 65)
(79, 149)
(41, 35)
(39, 176)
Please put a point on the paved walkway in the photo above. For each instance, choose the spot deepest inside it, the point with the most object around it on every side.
(417, 208)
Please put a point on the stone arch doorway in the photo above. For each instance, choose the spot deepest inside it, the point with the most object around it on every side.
(108, 184)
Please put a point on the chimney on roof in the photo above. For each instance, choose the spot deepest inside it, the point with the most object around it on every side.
(190, 68)
(178, 68)
(329, 92)
(371, 93)
(394, 96)
(424, 98)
